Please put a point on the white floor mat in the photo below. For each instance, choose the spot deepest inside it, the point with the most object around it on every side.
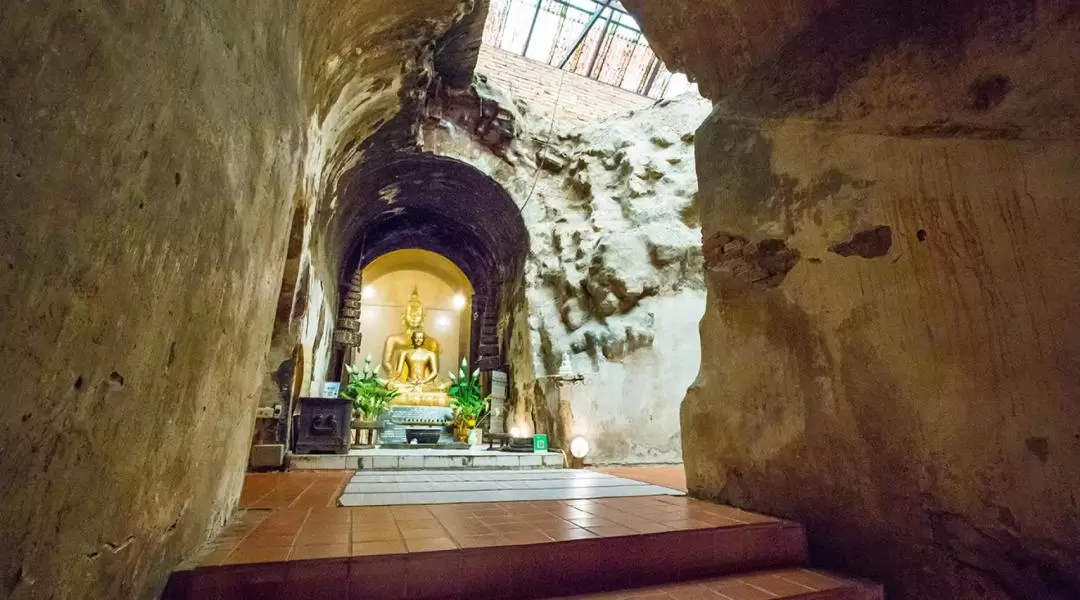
(381, 488)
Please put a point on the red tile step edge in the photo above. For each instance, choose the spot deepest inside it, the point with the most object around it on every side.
(523, 571)
(786, 584)
(859, 591)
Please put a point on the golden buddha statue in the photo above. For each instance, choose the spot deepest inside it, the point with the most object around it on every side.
(413, 320)
(417, 367)
(414, 370)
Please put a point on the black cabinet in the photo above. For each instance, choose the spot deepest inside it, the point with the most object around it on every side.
(323, 426)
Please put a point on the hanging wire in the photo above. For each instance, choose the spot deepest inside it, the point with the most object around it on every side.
(551, 128)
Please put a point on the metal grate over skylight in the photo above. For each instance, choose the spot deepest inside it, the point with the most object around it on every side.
(594, 38)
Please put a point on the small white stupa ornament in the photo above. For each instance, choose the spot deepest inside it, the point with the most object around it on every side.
(566, 369)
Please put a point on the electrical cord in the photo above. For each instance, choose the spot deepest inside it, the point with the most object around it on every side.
(551, 128)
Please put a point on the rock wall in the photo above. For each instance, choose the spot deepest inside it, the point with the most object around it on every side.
(144, 207)
(152, 159)
(615, 279)
(371, 72)
(888, 193)
(614, 270)
(628, 407)
(367, 66)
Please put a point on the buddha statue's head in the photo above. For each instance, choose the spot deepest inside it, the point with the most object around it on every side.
(414, 312)
(418, 338)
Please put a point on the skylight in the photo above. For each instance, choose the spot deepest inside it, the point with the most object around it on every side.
(593, 38)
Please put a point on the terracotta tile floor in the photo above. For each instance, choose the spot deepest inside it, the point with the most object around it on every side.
(787, 583)
(292, 516)
(297, 489)
(673, 476)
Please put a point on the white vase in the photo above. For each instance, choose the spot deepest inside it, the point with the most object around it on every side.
(476, 436)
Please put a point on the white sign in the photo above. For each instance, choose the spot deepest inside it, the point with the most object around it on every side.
(498, 385)
(331, 389)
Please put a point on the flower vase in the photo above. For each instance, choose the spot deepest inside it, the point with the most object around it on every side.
(461, 430)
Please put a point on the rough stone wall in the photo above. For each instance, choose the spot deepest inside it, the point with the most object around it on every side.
(152, 158)
(366, 69)
(888, 196)
(613, 276)
(371, 69)
(580, 101)
(615, 279)
(149, 155)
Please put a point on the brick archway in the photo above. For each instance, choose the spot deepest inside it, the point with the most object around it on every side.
(444, 206)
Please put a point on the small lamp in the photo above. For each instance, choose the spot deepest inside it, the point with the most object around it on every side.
(579, 449)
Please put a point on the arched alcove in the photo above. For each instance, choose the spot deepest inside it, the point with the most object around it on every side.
(433, 203)
(443, 207)
(389, 282)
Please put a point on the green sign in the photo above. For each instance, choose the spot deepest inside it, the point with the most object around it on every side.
(540, 443)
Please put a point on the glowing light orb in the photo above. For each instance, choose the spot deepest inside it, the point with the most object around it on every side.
(579, 447)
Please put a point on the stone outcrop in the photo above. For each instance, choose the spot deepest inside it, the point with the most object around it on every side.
(888, 363)
(614, 268)
(618, 227)
(615, 279)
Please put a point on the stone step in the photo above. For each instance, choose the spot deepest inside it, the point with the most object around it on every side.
(404, 460)
(803, 584)
(526, 571)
